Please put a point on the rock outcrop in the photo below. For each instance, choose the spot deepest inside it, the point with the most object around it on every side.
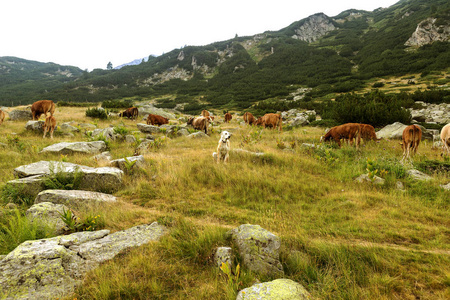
(104, 179)
(49, 214)
(20, 115)
(128, 163)
(258, 249)
(73, 198)
(52, 268)
(428, 31)
(284, 289)
(76, 147)
(313, 28)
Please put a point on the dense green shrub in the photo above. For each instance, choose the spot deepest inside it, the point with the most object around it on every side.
(117, 103)
(98, 113)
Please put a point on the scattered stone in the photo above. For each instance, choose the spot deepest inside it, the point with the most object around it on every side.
(258, 248)
(27, 186)
(223, 255)
(247, 152)
(103, 158)
(52, 268)
(417, 175)
(35, 126)
(365, 178)
(104, 179)
(108, 133)
(392, 131)
(139, 162)
(129, 138)
(49, 214)
(198, 135)
(148, 128)
(11, 206)
(284, 289)
(69, 128)
(73, 198)
(399, 185)
(76, 147)
(20, 114)
(445, 186)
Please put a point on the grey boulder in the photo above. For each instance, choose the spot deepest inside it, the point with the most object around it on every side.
(282, 289)
(73, 198)
(76, 147)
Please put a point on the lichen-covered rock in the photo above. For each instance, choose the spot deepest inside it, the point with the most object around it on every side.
(417, 175)
(104, 179)
(258, 248)
(52, 268)
(27, 186)
(74, 198)
(279, 289)
(365, 178)
(20, 114)
(69, 128)
(223, 255)
(148, 128)
(35, 126)
(128, 164)
(76, 147)
(50, 214)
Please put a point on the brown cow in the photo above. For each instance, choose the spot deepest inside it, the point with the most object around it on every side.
(199, 123)
(270, 120)
(249, 118)
(228, 117)
(156, 120)
(2, 116)
(42, 107)
(445, 138)
(130, 113)
(206, 114)
(411, 137)
(368, 133)
(49, 125)
(345, 131)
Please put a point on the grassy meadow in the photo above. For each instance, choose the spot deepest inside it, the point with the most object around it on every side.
(340, 239)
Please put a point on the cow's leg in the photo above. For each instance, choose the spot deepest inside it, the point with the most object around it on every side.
(45, 131)
(51, 132)
(225, 160)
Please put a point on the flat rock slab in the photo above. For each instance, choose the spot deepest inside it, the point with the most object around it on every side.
(104, 179)
(73, 198)
(284, 289)
(76, 147)
(52, 268)
(148, 128)
(27, 186)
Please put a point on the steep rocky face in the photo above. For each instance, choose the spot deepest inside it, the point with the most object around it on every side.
(429, 31)
(313, 28)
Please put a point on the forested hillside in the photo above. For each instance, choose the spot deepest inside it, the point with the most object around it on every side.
(235, 74)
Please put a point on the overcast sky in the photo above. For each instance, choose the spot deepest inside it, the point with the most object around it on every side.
(90, 33)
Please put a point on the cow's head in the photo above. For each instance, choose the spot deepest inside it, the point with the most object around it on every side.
(189, 122)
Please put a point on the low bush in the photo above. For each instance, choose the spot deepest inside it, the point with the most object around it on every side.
(98, 113)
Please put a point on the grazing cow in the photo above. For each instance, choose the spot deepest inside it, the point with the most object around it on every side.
(345, 131)
(270, 120)
(49, 125)
(368, 133)
(445, 138)
(411, 137)
(228, 117)
(42, 107)
(2, 116)
(199, 123)
(249, 118)
(130, 113)
(206, 114)
(156, 120)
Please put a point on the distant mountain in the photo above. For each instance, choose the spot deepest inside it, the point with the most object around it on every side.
(326, 55)
(132, 63)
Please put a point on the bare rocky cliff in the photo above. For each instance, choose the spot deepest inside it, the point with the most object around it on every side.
(313, 28)
(429, 31)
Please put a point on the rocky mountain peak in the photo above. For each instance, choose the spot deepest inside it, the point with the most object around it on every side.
(313, 28)
(429, 31)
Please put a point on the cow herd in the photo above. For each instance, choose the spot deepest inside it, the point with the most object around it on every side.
(348, 132)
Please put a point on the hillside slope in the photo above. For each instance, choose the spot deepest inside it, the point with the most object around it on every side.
(328, 54)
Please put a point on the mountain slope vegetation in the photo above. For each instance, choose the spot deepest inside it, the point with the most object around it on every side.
(236, 74)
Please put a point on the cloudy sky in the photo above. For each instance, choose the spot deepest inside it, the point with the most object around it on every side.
(90, 33)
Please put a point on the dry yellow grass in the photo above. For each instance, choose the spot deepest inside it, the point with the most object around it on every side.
(397, 240)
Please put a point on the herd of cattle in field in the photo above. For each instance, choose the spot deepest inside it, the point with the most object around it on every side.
(411, 137)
